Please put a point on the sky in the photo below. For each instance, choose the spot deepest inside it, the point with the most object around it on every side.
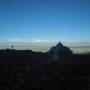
(45, 20)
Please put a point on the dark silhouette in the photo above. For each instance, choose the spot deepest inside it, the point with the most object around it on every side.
(12, 47)
(28, 70)
(58, 52)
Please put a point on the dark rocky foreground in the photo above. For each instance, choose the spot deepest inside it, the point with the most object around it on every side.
(27, 70)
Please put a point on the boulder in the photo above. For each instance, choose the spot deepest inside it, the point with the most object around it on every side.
(58, 52)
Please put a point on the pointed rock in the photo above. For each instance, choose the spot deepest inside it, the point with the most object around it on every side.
(58, 51)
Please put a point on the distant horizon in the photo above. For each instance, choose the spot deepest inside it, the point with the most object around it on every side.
(44, 46)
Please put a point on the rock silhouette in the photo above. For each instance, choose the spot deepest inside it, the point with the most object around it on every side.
(59, 51)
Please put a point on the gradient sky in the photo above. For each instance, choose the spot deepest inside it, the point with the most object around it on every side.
(65, 20)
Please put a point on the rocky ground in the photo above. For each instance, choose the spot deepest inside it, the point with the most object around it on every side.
(27, 70)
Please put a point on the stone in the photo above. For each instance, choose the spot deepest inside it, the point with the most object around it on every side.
(59, 51)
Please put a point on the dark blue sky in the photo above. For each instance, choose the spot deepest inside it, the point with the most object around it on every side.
(66, 20)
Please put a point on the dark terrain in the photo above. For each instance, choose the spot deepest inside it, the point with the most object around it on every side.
(28, 70)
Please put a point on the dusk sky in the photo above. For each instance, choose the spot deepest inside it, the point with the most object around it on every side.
(65, 20)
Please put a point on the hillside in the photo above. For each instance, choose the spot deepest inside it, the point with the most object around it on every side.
(28, 70)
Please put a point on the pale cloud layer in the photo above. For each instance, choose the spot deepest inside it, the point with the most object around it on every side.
(29, 40)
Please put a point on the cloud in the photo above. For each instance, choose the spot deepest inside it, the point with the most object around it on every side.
(39, 40)
(14, 40)
(30, 40)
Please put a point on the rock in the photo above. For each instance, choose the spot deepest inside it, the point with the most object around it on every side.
(58, 52)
